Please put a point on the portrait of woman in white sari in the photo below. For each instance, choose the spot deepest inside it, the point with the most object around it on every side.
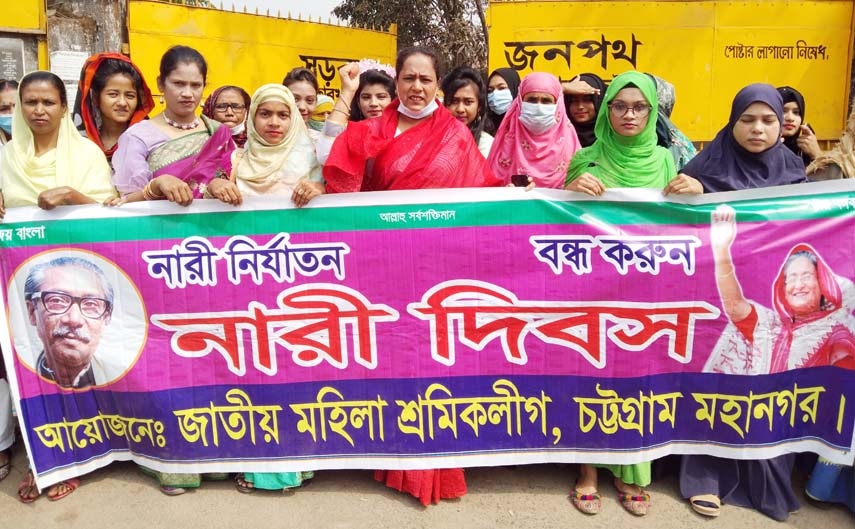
(811, 322)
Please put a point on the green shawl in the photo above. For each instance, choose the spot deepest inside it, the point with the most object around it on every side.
(621, 161)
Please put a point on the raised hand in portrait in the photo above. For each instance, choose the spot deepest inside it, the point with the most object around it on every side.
(722, 228)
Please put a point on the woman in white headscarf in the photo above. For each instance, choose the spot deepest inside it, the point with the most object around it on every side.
(279, 156)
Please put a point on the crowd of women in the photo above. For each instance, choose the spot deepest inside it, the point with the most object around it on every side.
(389, 130)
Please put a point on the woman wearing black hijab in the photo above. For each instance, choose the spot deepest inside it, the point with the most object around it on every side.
(747, 153)
(503, 85)
(798, 135)
(582, 109)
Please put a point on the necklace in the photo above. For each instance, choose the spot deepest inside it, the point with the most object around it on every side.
(181, 126)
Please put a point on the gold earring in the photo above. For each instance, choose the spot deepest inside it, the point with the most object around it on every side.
(161, 100)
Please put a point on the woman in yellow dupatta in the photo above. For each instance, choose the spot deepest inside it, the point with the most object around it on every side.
(47, 163)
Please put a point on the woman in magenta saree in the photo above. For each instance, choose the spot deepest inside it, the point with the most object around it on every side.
(175, 154)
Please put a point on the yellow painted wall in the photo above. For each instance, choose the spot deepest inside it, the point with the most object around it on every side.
(27, 15)
(694, 45)
(249, 50)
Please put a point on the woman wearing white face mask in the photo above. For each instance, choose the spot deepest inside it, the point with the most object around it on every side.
(414, 144)
(536, 139)
(503, 85)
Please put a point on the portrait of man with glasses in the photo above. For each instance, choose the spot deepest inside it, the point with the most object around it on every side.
(70, 301)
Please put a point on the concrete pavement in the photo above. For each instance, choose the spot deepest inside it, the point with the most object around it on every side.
(534, 496)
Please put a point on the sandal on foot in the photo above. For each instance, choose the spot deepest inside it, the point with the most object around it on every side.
(172, 491)
(27, 488)
(706, 504)
(6, 467)
(62, 489)
(586, 503)
(244, 486)
(637, 504)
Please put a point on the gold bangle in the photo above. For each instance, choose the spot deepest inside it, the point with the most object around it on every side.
(336, 109)
(149, 194)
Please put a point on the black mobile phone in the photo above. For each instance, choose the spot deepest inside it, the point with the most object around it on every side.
(519, 180)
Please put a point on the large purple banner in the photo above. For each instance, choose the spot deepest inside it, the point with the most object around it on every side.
(434, 329)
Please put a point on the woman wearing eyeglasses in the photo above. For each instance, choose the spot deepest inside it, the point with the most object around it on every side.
(626, 153)
(228, 105)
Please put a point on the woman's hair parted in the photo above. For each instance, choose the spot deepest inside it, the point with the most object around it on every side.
(47, 77)
(111, 67)
(182, 54)
(406, 53)
(300, 74)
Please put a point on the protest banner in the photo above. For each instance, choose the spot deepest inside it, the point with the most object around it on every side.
(431, 329)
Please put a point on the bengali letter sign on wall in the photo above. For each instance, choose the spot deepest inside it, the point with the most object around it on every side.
(707, 49)
(432, 329)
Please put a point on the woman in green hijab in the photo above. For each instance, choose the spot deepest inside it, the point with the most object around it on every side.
(625, 153)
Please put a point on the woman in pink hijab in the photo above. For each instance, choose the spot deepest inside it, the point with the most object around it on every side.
(535, 139)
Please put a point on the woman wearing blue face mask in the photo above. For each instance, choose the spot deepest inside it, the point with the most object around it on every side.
(502, 88)
(8, 92)
(536, 139)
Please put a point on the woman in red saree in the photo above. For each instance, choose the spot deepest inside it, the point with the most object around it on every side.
(415, 144)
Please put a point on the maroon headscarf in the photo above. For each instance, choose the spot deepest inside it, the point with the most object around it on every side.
(208, 109)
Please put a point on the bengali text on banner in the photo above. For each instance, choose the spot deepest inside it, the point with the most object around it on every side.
(433, 329)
